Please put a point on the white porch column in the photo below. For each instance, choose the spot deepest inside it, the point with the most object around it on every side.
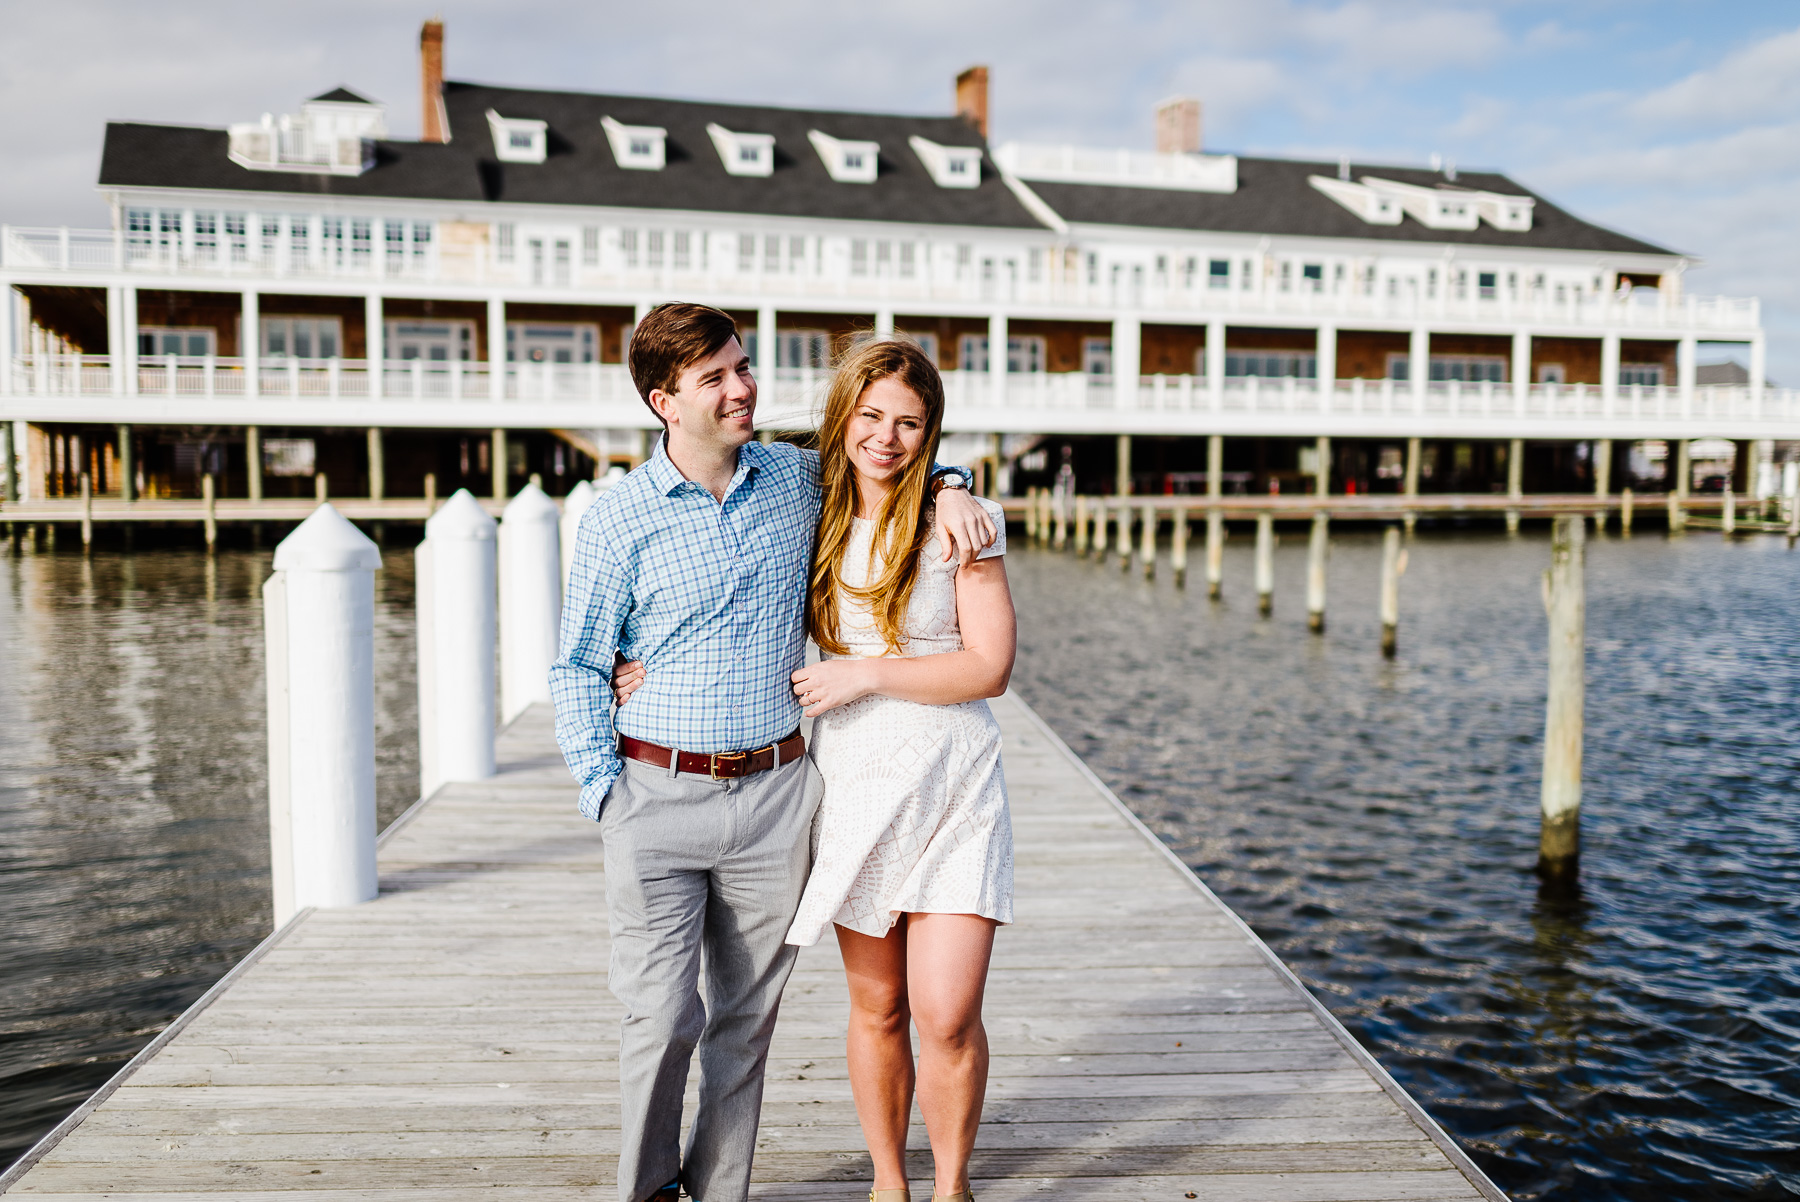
(115, 339)
(1687, 354)
(767, 344)
(1215, 362)
(1609, 369)
(496, 348)
(884, 323)
(128, 315)
(1325, 353)
(1521, 366)
(374, 341)
(997, 360)
(1418, 361)
(1128, 360)
(250, 341)
(1759, 367)
(8, 348)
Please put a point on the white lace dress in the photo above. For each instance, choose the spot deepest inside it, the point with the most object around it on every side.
(914, 819)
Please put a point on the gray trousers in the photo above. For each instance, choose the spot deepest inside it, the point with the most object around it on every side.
(699, 871)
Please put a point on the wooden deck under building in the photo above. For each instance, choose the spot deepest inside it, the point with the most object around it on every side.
(456, 1035)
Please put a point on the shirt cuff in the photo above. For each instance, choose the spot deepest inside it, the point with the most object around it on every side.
(593, 793)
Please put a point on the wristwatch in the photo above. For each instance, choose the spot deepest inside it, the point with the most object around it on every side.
(951, 477)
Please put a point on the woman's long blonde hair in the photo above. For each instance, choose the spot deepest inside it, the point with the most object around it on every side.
(901, 525)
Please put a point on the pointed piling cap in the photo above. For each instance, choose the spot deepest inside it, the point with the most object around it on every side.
(326, 542)
(531, 504)
(460, 517)
(579, 498)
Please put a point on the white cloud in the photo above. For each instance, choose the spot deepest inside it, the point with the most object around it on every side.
(1760, 81)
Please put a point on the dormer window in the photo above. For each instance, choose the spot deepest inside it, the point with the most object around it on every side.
(518, 140)
(846, 162)
(950, 166)
(636, 147)
(743, 154)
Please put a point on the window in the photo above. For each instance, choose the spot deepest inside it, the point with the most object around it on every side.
(431, 341)
(927, 342)
(771, 254)
(237, 237)
(289, 456)
(517, 139)
(1550, 373)
(1468, 369)
(796, 349)
(859, 256)
(394, 235)
(1025, 353)
(965, 259)
(421, 238)
(1277, 364)
(140, 227)
(192, 342)
(551, 342)
(628, 247)
(1313, 277)
(1487, 285)
(635, 147)
(503, 242)
(562, 262)
(796, 254)
(537, 260)
(590, 246)
(906, 260)
(1093, 269)
(302, 337)
(1034, 265)
(746, 253)
(1218, 273)
(361, 239)
(206, 236)
(683, 251)
(884, 257)
(1096, 356)
(1647, 374)
(1247, 277)
(653, 250)
(846, 162)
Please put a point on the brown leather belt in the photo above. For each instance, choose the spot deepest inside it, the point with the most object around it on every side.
(720, 765)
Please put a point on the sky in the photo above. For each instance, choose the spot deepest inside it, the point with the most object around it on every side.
(1677, 121)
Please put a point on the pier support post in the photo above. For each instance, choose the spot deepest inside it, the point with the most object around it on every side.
(9, 470)
(1059, 530)
(253, 462)
(127, 464)
(530, 599)
(1123, 515)
(209, 497)
(319, 616)
(1081, 526)
(1123, 458)
(1393, 566)
(1626, 500)
(1728, 515)
(430, 493)
(377, 466)
(497, 461)
(1178, 547)
(1322, 452)
(1318, 549)
(1031, 514)
(1413, 452)
(1515, 481)
(1602, 450)
(574, 505)
(1215, 553)
(321, 488)
(1559, 846)
(87, 511)
(1148, 547)
(1265, 563)
(455, 572)
(1100, 531)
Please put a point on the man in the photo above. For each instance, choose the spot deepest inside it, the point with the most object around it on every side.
(696, 564)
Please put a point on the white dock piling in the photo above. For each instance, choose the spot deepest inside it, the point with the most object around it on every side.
(1148, 548)
(1215, 553)
(1178, 540)
(1318, 549)
(1265, 563)
(1059, 533)
(530, 599)
(455, 573)
(87, 511)
(1559, 846)
(1393, 566)
(574, 505)
(319, 625)
(1627, 499)
(1728, 516)
(1100, 533)
(1123, 512)
(209, 493)
(1081, 526)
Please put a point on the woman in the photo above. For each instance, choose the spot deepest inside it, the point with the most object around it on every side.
(913, 844)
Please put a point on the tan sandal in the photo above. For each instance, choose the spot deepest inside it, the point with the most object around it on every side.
(903, 1194)
(965, 1196)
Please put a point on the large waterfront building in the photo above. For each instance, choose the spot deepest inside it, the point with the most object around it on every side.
(303, 294)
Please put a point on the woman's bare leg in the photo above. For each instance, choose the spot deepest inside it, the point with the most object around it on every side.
(946, 974)
(879, 1046)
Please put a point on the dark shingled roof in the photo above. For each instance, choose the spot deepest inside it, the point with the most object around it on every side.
(343, 95)
(1274, 197)
(581, 170)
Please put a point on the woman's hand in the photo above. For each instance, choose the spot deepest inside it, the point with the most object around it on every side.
(628, 676)
(963, 526)
(833, 682)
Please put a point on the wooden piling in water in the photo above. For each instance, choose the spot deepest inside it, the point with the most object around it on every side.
(1148, 551)
(1728, 517)
(1515, 481)
(1602, 459)
(210, 523)
(1559, 844)
(1413, 452)
(430, 493)
(1060, 532)
(1793, 529)
(1265, 563)
(1626, 500)
(1123, 512)
(1215, 553)
(1100, 531)
(1393, 566)
(1081, 526)
(321, 490)
(1178, 548)
(87, 512)
(1318, 548)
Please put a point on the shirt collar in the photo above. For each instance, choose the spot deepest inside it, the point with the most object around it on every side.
(752, 456)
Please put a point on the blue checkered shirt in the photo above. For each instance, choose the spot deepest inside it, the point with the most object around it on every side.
(710, 595)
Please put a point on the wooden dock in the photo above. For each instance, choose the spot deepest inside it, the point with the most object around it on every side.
(456, 1035)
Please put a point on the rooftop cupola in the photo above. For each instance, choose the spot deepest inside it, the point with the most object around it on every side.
(333, 134)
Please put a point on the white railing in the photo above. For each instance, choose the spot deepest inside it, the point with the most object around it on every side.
(248, 256)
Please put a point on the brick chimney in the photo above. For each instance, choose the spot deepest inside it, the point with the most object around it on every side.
(1178, 126)
(435, 126)
(972, 98)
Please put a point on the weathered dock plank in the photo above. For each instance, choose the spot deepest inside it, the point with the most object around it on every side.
(456, 1035)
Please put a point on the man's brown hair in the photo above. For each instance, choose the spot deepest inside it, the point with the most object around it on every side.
(671, 339)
